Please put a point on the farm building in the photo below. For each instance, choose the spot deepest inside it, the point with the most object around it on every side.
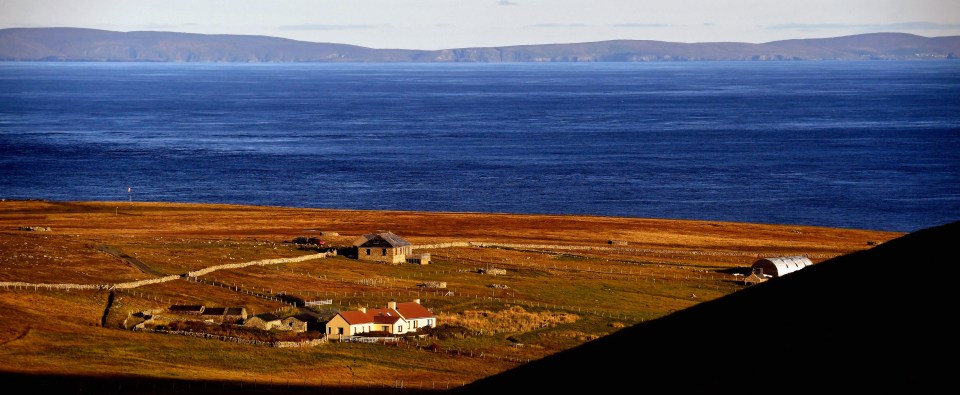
(186, 309)
(313, 320)
(292, 323)
(233, 314)
(418, 259)
(213, 314)
(265, 321)
(396, 318)
(387, 247)
(779, 266)
(755, 278)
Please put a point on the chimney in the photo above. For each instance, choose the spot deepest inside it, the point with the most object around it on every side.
(392, 305)
(363, 310)
(417, 301)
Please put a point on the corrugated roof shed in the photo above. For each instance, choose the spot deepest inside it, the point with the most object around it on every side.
(779, 266)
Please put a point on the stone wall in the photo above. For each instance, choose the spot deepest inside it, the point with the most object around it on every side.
(135, 284)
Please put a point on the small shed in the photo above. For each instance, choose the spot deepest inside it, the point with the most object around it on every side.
(755, 278)
(779, 266)
(418, 259)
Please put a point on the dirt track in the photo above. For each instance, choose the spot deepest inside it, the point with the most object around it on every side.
(133, 261)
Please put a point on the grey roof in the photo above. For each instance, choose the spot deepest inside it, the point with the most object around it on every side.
(386, 239)
(181, 307)
(233, 311)
(214, 310)
(267, 317)
(307, 317)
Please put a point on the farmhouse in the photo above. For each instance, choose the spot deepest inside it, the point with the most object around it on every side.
(387, 247)
(349, 323)
(779, 266)
(415, 314)
(396, 319)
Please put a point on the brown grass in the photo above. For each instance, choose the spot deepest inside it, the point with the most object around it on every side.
(514, 319)
(556, 298)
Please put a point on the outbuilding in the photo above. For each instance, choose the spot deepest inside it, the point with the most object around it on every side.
(265, 321)
(779, 266)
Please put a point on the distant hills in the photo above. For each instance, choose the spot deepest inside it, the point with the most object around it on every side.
(91, 45)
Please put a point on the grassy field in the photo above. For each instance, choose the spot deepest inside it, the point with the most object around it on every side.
(550, 298)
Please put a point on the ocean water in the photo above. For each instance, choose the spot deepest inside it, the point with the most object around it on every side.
(868, 145)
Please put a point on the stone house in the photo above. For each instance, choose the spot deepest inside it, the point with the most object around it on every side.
(387, 247)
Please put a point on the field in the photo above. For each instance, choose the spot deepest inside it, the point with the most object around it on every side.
(565, 284)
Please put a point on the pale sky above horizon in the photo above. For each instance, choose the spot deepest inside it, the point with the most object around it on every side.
(439, 24)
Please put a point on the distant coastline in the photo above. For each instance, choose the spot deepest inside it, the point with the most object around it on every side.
(58, 44)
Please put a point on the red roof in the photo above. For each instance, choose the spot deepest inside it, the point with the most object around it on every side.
(413, 310)
(384, 316)
(356, 317)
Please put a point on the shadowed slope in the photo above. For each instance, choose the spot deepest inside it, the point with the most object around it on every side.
(871, 320)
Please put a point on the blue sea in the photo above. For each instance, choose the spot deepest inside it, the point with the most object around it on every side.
(865, 145)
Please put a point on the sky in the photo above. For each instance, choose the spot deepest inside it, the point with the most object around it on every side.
(440, 24)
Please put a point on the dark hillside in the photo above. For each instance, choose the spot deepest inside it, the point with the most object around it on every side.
(875, 320)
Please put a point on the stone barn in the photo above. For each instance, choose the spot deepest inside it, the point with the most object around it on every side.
(265, 321)
(294, 324)
(234, 314)
(779, 266)
(214, 314)
(186, 309)
(382, 247)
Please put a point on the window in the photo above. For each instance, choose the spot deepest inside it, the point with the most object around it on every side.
(384, 252)
(386, 328)
(339, 331)
(368, 251)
